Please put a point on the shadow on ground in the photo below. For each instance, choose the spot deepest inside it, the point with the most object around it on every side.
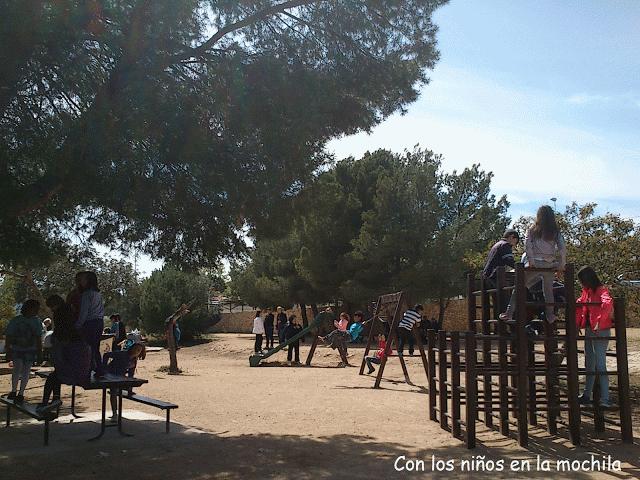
(188, 453)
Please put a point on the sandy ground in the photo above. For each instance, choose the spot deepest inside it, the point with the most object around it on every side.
(275, 421)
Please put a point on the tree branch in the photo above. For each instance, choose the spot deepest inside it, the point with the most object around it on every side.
(245, 22)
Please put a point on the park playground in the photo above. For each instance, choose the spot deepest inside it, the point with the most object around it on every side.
(279, 421)
(319, 239)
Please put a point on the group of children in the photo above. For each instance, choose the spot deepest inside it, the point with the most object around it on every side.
(78, 325)
(287, 329)
(344, 332)
(545, 248)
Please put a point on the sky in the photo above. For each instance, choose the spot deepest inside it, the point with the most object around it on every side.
(544, 94)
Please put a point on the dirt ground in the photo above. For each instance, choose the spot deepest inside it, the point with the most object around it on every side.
(276, 421)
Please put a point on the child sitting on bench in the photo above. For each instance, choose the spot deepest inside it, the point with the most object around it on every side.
(122, 363)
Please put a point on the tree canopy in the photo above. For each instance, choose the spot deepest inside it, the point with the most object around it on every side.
(381, 223)
(175, 125)
(165, 290)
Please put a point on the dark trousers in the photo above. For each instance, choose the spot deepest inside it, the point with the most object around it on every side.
(405, 336)
(258, 345)
(51, 385)
(371, 360)
(294, 346)
(281, 334)
(490, 284)
(92, 333)
(268, 337)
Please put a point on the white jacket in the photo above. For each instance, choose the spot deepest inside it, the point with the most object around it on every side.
(258, 325)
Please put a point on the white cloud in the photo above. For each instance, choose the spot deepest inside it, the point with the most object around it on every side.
(516, 134)
(583, 98)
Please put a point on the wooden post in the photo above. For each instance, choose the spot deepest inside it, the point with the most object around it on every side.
(171, 346)
(371, 336)
(598, 412)
(551, 376)
(487, 358)
(431, 345)
(471, 303)
(532, 389)
(423, 356)
(572, 356)
(455, 384)
(624, 396)
(471, 388)
(312, 350)
(503, 360)
(392, 337)
(522, 359)
(442, 378)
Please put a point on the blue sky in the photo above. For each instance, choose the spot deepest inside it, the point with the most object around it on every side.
(545, 94)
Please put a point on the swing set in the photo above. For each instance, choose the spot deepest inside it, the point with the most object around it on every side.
(389, 310)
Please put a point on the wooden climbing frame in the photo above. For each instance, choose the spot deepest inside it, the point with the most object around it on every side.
(512, 378)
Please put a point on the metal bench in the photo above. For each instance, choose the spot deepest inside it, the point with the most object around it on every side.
(161, 404)
(31, 410)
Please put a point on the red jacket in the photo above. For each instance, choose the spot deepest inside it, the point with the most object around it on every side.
(381, 347)
(602, 314)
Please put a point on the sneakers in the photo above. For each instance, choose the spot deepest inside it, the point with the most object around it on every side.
(604, 404)
(371, 370)
(584, 400)
(45, 408)
(11, 395)
(19, 398)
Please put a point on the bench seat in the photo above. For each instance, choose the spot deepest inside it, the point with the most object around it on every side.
(30, 410)
(153, 402)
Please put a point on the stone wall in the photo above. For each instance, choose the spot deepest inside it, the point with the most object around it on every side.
(455, 316)
(242, 322)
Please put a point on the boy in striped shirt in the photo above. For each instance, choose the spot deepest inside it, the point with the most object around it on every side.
(410, 318)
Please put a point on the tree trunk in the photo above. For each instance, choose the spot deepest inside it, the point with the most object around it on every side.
(171, 346)
(305, 320)
(443, 303)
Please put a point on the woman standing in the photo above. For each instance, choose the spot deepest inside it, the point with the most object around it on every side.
(90, 322)
(71, 355)
(596, 320)
(544, 248)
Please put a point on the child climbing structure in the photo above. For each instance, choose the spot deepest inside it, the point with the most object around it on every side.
(390, 307)
(499, 371)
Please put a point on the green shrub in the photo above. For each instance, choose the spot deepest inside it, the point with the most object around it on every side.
(164, 291)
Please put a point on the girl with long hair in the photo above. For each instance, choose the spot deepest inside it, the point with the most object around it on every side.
(545, 248)
(596, 321)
